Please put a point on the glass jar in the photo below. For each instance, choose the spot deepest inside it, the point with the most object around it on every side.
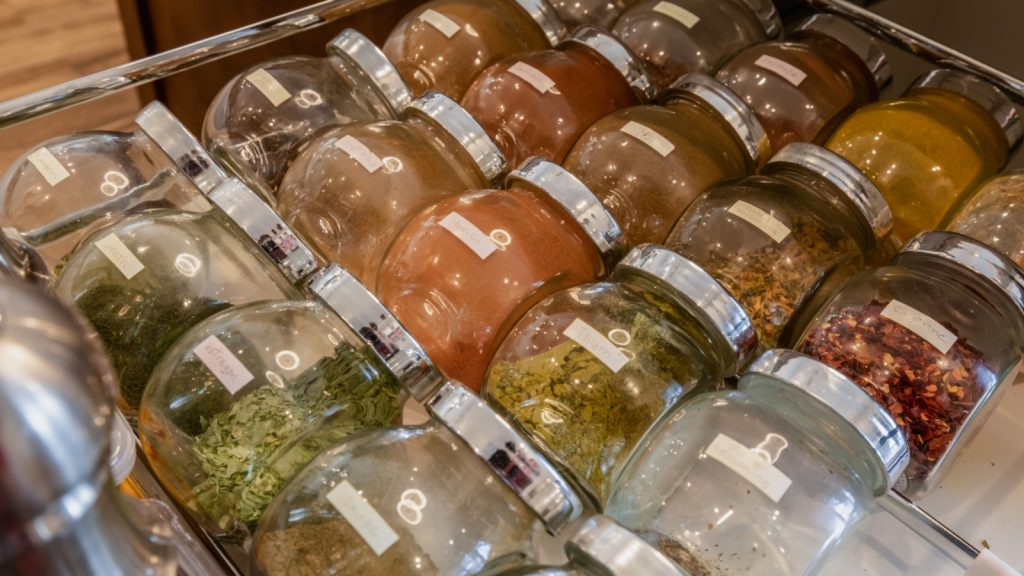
(444, 45)
(934, 337)
(67, 187)
(453, 496)
(648, 163)
(948, 133)
(803, 88)
(674, 37)
(146, 279)
(539, 103)
(993, 214)
(260, 119)
(784, 241)
(600, 13)
(763, 480)
(586, 372)
(352, 188)
(464, 270)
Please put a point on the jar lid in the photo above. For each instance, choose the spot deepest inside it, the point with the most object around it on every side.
(618, 55)
(768, 15)
(844, 397)
(730, 107)
(853, 183)
(161, 126)
(454, 120)
(360, 309)
(122, 449)
(545, 16)
(691, 282)
(619, 551)
(864, 45)
(992, 99)
(574, 196)
(265, 228)
(519, 465)
(365, 55)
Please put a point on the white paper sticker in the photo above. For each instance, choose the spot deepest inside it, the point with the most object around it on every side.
(597, 344)
(269, 86)
(358, 151)
(789, 73)
(677, 13)
(761, 220)
(362, 516)
(223, 364)
(648, 136)
(120, 256)
(440, 22)
(532, 76)
(753, 465)
(471, 236)
(921, 324)
(52, 170)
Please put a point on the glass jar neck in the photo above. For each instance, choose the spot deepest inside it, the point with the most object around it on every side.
(361, 87)
(443, 140)
(686, 103)
(844, 58)
(977, 119)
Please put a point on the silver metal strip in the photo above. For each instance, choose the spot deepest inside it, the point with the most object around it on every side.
(930, 529)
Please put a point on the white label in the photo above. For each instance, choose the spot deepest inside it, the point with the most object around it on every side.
(120, 256)
(440, 22)
(790, 73)
(269, 86)
(223, 364)
(470, 235)
(753, 465)
(677, 13)
(52, 170)
(761, 220)
(358, 151)
(921, 324)
(597, 344)
(648, 136)
(532, 76)
(363, 517)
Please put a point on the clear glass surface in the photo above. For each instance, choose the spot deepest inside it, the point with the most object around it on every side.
(600, 13)
(993, 214)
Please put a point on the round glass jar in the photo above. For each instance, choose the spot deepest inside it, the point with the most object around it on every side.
(453, 496)
(444, 45)
(261, 118)
(352, 188)
(934, 337)
(586, 372)
(803, 88)
(766, 479)
(674, 37)
(993, 214)
(926, 150)
(785, 240)
(149, 277)
(539, 103)
(648, 163)
(464, 270)
(600, 13)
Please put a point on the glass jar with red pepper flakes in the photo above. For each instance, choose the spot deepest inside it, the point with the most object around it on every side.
(934, 337)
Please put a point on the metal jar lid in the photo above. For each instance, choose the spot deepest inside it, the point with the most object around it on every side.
(574, 196)
(545, 16)
(864, 45)
(768, 15)
(519, 465)
(990, 98)
(690, 282)
(359, 51)
(618, 55)
(856, 186)
(603, 541)
(729, 106)
(453, 119)
(259, 221)
(157, 122)
(375, 324)
(844, 397)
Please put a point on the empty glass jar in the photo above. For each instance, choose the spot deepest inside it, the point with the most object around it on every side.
(539, 103)
(767, 479)
(444, 45)
(993, 214)
(352, 188)
(648, 163)
(600, 13)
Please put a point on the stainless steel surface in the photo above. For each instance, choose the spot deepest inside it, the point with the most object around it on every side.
(545, 16)
(621, 57)
(993, 100)
(366, 57)
(768, 15)
(924, 525)
(620, 552)
(453, 119)
(184, 150)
